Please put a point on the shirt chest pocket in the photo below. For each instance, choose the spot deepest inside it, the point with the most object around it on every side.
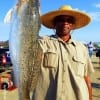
(80, 64)
(50, 59)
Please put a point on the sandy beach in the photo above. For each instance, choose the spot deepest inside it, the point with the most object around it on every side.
(8, 95)
(95, 78)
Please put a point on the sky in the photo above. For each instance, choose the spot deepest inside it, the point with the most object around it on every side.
(91, 32)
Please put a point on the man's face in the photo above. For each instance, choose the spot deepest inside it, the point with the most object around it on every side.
(63, 24)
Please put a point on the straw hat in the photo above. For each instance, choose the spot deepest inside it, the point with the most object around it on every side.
(81, 19)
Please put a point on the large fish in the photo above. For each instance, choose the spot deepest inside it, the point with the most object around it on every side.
(26, 53)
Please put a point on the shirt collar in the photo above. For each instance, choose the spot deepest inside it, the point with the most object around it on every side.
(71, 41)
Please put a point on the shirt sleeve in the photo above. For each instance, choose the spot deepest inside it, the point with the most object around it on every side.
(89, 65)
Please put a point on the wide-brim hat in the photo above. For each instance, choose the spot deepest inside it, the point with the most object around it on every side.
(81, 19)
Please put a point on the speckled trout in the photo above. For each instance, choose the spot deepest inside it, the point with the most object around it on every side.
(26, 53)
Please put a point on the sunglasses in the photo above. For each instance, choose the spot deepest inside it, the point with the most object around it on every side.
(64, 18)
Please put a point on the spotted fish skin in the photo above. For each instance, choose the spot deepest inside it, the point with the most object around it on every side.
(26, 53)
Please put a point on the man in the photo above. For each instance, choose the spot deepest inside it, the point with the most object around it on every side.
(90, 48)
(66, 63)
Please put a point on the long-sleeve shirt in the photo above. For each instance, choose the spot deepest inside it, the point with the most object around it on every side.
(63, 69)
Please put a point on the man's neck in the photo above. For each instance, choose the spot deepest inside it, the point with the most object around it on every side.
(65, 38)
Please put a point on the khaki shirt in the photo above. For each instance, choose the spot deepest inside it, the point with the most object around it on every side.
(63, 69)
